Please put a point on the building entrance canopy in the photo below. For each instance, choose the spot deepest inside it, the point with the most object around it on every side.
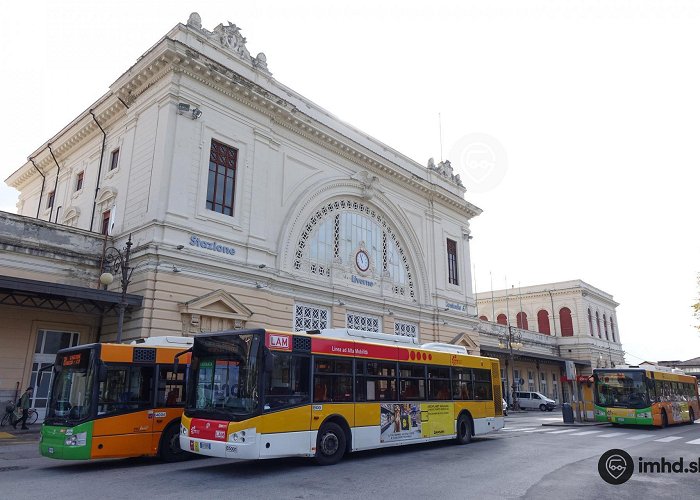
(59, 297)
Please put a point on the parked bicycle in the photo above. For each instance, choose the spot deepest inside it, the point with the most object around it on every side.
(11, 416)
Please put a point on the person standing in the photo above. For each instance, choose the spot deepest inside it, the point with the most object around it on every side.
(24, 404)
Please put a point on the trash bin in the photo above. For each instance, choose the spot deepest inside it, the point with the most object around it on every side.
(568, 413)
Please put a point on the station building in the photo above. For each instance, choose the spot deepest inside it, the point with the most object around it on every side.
(549, 325)
(247, 205)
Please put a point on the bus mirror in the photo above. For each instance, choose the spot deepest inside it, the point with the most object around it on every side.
(101, 371)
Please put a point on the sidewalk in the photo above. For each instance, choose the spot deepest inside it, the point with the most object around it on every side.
(8, 435)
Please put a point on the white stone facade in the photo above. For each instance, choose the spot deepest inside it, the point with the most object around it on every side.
(591, 334)
(313, 198)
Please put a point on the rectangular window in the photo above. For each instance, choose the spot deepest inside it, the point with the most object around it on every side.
(127, 388)
(412, 382)
(452, 262)
(438, 383)
(50, 198)
(105, 221)
(310, 318)
(530, 382)
(114, 159)
(79, 181)
(222, 178)
(462, 384)
(405, 329)
(376, 380)
(288, 384)
(482, 385)
(332, 380)
(365, 322)
(171, 385)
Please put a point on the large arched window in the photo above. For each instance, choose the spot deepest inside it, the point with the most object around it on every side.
(341, 229)
(605, 326)
(521, 320)
(612, 328)
(543, 322)
(590, 321)
(483, 318)
(502, 320)
(597, 322)
(567, 324)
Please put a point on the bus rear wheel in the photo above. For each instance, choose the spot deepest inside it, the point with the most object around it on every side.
(691, 414)
(464, 429)
(170, 450)
(330, 444)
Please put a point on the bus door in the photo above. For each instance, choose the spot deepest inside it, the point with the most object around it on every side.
(125, 413)
(170, 400)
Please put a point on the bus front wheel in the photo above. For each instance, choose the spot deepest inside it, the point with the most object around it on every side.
(691, 414)
(464, 429)
(170, 450)
(664, 420)
(330, 444)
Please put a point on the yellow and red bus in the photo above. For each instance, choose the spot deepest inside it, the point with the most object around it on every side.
(267, 394)
(116, 400)
(634, 395)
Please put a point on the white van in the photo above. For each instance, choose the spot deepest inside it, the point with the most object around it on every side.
(535, 400)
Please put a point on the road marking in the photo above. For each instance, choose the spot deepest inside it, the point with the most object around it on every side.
(694, 441)
(636, 438)
(612, 434)
(6, 435)
(550, 419)
(538, 430)
(668, 439)
(585, 433)
(562, 432)
(515, 429)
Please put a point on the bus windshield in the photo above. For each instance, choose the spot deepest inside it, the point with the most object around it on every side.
(225, 377)
(621, 389)
(71, 392)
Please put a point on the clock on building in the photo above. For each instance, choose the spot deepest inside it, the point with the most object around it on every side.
(362, 260)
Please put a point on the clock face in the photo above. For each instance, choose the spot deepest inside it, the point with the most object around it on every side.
(362, 260)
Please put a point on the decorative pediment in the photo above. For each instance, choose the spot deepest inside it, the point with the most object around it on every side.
(465, 340)
(106, 194)
(219, 304)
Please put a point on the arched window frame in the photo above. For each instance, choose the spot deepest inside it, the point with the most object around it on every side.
(387, 241)
(502, 319)
(566, 322)
(521, 320)
(543, 322)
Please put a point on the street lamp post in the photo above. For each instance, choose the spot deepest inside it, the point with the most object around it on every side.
(117, 261)
(511, 341)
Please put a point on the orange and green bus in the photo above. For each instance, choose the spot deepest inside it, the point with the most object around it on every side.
(265, 394)
(116, 400)
(633, 395)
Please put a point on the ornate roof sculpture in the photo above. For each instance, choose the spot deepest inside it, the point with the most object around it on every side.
(230, 38)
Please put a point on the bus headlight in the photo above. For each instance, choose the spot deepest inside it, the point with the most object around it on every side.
(183, 430)
(237, 437)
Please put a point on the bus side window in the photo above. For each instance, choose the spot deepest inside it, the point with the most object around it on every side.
(171, 386)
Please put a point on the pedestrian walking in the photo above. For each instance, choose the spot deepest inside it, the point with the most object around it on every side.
(24, 404)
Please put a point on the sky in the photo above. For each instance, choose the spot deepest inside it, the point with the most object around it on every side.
(573, 124)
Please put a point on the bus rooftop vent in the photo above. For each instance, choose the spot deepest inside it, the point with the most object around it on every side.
(382, 338)
(165, 341)
(441, 346)
(144, 355)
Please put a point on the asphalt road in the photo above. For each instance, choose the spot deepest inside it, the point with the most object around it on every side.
(525, 460)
